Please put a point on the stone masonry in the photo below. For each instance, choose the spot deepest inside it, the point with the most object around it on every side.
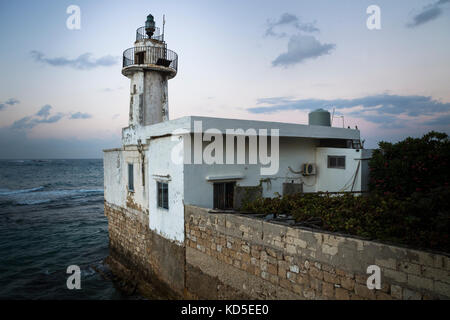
(273, 261)
(140, 256)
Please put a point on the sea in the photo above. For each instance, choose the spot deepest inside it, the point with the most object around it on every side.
(51, 217)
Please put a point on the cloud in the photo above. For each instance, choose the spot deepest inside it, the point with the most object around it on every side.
(24, 123)
(428, 13)
(9, 102)
(111, 89)
(301, 48)
(383, 109)
(30, 122)
(274, 100)
(83, 62)
(80, 115)
(439, 121)
(44, 111)
(289, 20)
(44, 116)
(12, 101)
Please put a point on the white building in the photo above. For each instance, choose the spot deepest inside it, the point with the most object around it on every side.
(164, 164)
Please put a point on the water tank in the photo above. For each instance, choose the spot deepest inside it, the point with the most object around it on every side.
(320, 117)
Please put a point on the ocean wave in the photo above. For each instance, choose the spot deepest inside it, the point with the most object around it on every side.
(37, 196)
(7, 192)
(32, 202)
(91, 190)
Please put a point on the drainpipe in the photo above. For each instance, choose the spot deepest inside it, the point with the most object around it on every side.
(140, 148)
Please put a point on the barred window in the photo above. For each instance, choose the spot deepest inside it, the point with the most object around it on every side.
(130, 177)
(336, 162)
(223, 195)
(163, 195)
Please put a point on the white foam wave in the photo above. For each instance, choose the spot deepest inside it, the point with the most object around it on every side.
(7, 192)
(32, 202)
(37, 196)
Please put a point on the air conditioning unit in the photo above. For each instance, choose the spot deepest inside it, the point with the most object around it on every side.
(309, 169)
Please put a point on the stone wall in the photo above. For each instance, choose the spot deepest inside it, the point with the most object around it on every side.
(230, 255)
(141, 256)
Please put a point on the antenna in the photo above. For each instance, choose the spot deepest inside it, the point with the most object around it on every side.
(164, 23)
(343, 121)
(332, 116)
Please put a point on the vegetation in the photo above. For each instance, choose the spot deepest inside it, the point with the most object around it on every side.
(408, 204)
(412, 165)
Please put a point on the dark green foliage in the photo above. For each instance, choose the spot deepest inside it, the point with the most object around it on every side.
(421, 220)
(411, 165)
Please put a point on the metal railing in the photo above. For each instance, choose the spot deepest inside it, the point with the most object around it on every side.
(142, 35)
(150, 55)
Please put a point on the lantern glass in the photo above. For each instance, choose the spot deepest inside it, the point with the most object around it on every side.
(150, 23)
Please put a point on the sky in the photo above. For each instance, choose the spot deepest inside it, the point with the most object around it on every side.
(62, 94)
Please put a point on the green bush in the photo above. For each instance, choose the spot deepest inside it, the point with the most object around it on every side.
(421, 220)
(412, 165)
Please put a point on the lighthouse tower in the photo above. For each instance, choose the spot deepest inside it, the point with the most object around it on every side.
(149, 65)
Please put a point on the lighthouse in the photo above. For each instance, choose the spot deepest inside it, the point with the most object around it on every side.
(149, 65)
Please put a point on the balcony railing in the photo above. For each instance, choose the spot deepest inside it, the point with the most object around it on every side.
(150, 55)
(142, 35)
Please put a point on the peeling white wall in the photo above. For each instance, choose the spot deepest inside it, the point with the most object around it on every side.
(116, 178)
(167, 223)
(115, 192)
(155, 104)
(136, 98)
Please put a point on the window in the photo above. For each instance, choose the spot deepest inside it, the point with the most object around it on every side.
(223, 195)
(163, 195)
(130, 177)
(336, 162)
